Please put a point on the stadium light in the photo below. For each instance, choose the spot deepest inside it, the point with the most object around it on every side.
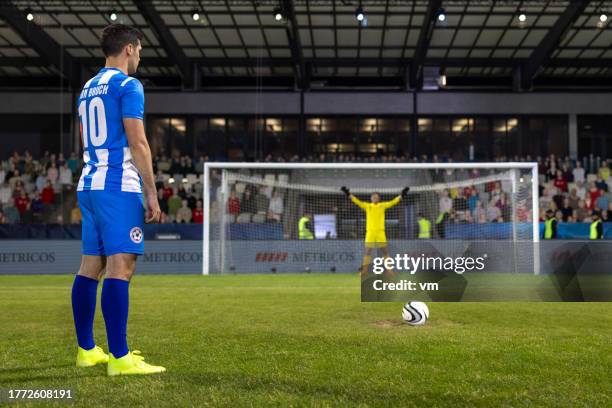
(195, 15)
(113, 16)
(442, 80)
(603, 17)
(359, 14)
(441, 15)
(522, 17)
(29, 15)
(278, 14)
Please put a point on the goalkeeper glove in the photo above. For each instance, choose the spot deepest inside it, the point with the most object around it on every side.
(345, 191)
(405, 192)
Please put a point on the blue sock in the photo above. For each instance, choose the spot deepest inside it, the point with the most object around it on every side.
(84, 291)
(115, 302)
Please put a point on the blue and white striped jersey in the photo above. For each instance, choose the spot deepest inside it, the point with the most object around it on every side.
(104, 101)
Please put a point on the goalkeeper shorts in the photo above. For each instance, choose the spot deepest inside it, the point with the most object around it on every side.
(376, 239)
(112, 222)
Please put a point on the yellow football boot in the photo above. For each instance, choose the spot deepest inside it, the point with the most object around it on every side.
(131, 364)
(90, 358)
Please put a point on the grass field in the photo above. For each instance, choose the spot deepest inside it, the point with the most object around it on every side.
(303, 340)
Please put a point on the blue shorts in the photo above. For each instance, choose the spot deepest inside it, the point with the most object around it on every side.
(112, 222)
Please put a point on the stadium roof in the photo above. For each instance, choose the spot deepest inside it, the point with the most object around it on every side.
(317, 44)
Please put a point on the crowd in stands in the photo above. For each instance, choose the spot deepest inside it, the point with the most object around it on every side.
(42, 190)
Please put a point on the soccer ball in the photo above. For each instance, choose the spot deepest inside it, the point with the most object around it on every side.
(415, 313)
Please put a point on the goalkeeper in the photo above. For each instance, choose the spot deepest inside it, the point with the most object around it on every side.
(375, 223)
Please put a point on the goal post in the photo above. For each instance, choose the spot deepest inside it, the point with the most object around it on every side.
(252, 213)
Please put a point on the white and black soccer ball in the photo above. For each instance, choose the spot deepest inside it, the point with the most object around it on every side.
(415, 313)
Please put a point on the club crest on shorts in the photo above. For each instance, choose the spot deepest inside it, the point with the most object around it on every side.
(136, 235)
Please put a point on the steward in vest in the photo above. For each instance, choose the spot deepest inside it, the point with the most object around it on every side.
(305, 227)
(596, 228)
(550, 225)
(424, 227)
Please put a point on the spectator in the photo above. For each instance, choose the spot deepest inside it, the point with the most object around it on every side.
(602, 201)
(73, 162)
(168, 192)
(581, 212)
(601, 184)
(566, 210)
(493, 211)
(22, 203)
(41, 181)
(6, 194)
(573, 199)
(560, 183)
(174, 203)
(275, 211)
(594, 193)
(37, 207)
(581, 190)
(183, 214)
(248, 203)
(15, 179)
(262, 202)
(11, 213)
(578, 172)
(233, 204)
(2, 174)
(53, 173)
(48, 194)
(2, 218)
(198, 213)
(65, 175)
(445, 203)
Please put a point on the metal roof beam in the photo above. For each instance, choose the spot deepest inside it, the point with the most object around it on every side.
(295, 44)
(541, 55)
(50, 51)
(429, 22)
(167, 41)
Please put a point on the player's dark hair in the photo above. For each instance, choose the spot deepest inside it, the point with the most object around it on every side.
(116, 36)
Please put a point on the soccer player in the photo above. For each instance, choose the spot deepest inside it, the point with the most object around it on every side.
(117, 169)
(375, 223)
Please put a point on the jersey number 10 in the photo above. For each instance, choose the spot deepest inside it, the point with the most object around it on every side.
(93, 122)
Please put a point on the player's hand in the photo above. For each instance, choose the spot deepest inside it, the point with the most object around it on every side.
(345, 190)
(153, 211)
(405, 192)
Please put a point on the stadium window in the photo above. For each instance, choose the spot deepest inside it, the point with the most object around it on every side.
(239, 141)
(169, 135)
(424, 143)
(594, 135)
(545, 135)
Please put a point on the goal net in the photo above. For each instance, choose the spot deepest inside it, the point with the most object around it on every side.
(293, 217)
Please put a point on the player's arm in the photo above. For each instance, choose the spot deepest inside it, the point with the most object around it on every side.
(141, 153)
(132, 112)
(354, 199)
(396, 200)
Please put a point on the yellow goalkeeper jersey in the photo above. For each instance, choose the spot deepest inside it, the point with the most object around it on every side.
(375, 212)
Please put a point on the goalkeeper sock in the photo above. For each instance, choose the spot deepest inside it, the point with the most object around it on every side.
(115, 303)
(84, 291)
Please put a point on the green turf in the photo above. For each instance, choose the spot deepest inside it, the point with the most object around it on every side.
(306, 340)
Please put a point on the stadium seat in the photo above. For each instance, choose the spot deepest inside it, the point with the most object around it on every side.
(270, 178)
(259, 218)
(243, 218)
(283, 178)
(240, 188)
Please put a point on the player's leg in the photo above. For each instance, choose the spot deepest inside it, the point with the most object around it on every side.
(385, 251)
(367, 259)
(85, 288)
(122, 234)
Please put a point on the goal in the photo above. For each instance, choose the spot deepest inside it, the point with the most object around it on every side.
(252, 214)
